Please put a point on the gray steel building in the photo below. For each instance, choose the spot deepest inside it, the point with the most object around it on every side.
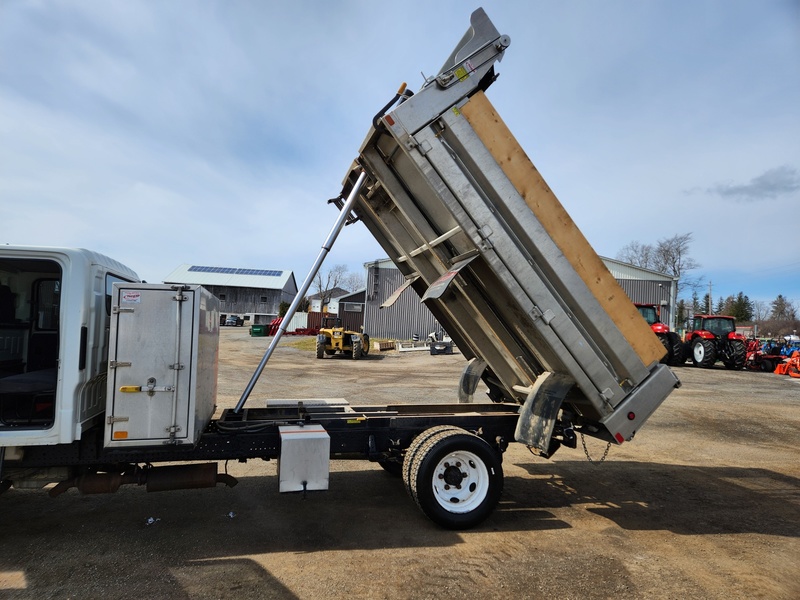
(647, 287)
(408, 317)
(253, 294)
(402, 320)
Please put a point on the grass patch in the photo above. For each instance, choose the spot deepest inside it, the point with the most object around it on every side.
(303, 343)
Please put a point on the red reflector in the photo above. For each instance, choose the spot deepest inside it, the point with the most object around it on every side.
(619, 438)
(631, 416)
(389, 119)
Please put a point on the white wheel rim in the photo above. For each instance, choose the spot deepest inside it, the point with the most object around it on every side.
(460, 482)
(699, 351)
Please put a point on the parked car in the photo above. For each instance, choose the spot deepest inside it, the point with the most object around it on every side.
(234, 321)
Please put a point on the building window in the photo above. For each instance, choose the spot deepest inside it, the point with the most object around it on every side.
(263, 299)
(222, 297)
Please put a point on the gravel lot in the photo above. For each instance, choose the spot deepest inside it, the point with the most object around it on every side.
(704, 503)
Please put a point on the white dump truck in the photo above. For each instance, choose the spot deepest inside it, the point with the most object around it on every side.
(103, 379)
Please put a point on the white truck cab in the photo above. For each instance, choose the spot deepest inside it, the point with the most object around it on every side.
(55, 306)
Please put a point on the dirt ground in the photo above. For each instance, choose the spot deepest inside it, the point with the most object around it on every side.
(704, 503)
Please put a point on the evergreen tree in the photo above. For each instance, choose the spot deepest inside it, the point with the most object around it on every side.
(705, 306)
(780, 309)
(681, 313)
(742, 308)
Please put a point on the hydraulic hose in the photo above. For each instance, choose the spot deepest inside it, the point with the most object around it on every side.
(402, 92)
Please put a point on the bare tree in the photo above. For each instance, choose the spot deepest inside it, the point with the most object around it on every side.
(325, 283)
(672, 257)
(638, 254)
(760, 310)
(353, 282)
(337, 277)
(669, 255)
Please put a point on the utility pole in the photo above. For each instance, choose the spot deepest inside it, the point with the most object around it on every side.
(710, 299)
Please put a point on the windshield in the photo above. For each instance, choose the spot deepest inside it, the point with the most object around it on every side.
(719, 326)
(649, 314)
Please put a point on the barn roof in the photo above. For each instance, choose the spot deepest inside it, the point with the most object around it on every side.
(231, 277)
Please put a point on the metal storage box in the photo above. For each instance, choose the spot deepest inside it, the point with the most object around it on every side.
(162, 381)
(304, 461)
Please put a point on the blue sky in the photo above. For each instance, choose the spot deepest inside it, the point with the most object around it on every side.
(213, 133)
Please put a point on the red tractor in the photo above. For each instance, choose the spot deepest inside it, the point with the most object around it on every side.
(670, 340)
(713, 338)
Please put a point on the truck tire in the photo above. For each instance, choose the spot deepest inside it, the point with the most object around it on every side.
(320, 348)
(413, 449)
(676, 356)
(456, 479)
(357, 352)
(704, 353)
(365, 345)
(737, 354)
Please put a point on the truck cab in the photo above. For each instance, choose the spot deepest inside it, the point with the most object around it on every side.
(55, 307)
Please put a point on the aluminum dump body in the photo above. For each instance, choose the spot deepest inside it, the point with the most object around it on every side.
(466, 217)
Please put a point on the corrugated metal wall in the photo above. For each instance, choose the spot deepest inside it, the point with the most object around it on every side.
(350, 320)
(240, 301)
(402, 320)
(650, 292)
(408, 316)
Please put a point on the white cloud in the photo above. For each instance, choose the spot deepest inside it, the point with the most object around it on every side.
(773, 183)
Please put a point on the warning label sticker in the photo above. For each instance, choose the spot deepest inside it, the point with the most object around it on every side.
(131, 296)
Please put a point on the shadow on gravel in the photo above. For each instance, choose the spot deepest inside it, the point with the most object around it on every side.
(197, 543)
(685, 500)
(340, 356)
(204, 543)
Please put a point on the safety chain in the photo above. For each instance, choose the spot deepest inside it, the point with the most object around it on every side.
(586, 452)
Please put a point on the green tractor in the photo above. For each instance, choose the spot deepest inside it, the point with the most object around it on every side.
(333, 338)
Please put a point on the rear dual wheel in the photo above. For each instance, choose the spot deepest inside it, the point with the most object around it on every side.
(454, 476)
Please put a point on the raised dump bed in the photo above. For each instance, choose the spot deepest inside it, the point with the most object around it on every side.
(466, 217)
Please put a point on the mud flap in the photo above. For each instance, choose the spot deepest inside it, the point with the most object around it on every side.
(538, 415)
(469, 380)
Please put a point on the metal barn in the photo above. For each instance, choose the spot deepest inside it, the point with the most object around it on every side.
(253, 294)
